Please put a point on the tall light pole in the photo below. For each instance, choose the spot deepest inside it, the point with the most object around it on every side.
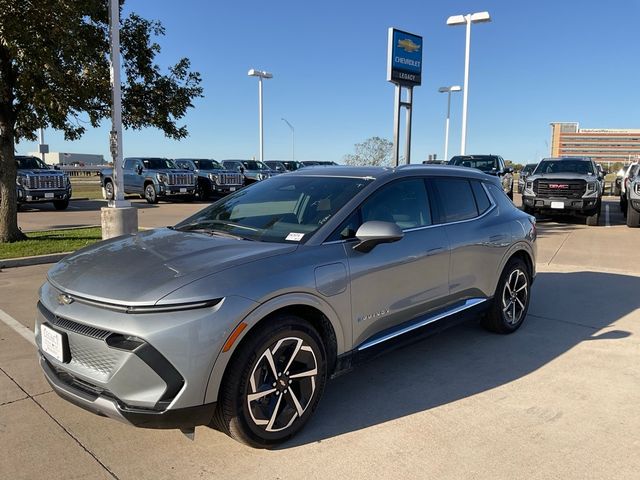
(467, 20)
(119, 217)
(448, 90)
(260, 74)
(293, 140)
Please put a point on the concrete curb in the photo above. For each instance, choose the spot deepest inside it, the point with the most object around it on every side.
(35, 260)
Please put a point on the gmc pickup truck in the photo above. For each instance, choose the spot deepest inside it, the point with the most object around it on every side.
(37, 182)
(213, 178)
(151, 178)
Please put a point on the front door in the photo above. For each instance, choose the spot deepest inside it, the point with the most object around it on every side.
(398, 281)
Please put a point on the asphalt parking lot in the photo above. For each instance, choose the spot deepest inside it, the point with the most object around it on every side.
(558, 399)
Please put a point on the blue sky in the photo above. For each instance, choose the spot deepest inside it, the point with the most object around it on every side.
(536, 62)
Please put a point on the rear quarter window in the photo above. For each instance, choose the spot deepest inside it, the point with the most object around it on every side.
(499, 196)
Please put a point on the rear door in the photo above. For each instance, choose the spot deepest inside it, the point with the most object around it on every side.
(398, 281)
(478, 235)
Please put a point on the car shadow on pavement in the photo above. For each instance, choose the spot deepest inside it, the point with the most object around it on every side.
(566, 309)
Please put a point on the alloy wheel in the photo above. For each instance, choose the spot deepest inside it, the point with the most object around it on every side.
(514, 296)
(282, 384)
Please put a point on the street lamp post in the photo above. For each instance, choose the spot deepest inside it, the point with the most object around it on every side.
(467, 20)
(260, 74)
(448, 90)
(293, 140)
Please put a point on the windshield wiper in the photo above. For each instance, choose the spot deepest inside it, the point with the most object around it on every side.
(200, 227)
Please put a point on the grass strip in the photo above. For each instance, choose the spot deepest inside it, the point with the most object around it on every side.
(51, 241)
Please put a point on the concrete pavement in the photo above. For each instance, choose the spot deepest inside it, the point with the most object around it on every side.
(558, 399)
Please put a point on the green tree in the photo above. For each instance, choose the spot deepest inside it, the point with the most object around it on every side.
(54, 72)
(374, 151)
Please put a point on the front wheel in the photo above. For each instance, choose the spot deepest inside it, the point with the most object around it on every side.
(108, 191)
(150, 193)
(633, 217)
(60, 204)
(511, 300)
(273, 383)
(594, 218)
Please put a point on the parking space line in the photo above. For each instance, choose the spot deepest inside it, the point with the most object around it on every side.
(17, 327)
(607, 223)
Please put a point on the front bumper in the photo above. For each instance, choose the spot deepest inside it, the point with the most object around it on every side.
(559, 205)
(82, 395)
(171, 190)
(136, 368)
(224, 188)
(38, 196)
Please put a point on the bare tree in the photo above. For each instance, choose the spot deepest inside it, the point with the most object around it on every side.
(374, 151)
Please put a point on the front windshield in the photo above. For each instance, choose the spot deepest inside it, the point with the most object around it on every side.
(527, 169)
(30, 163)
(485, 164)
(282, 209)
(254, 165)
(158, 163)
(207, 165)
(580, 167)
(291, 165)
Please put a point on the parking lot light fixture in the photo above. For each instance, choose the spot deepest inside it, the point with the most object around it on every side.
(448, 90)
(260, 74)
(468, 19)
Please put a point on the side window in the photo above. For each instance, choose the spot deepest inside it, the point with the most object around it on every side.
(403, 203)
(499, 196)
(456, 199)
(347, 229)
(129, 163)
(482, 201)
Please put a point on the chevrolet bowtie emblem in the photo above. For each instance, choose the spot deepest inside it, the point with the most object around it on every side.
(64, 299)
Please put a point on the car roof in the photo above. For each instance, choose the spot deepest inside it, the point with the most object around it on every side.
(387, 172)
(556, 159)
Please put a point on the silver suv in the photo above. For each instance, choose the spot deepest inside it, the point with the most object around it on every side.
(249, 306)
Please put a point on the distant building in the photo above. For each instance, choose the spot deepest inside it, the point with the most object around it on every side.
(79, 159)
(603, 145)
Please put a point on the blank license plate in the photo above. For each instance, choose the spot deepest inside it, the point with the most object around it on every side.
(183, 190)
(558, 205)
(52, 343)
(48, 195)
(232, 189)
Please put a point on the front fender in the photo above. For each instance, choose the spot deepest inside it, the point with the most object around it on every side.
(254, 317)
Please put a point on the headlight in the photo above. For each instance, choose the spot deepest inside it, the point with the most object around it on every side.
(162, 177)
(67, 180)
(529, 185)
(591, 186)
(636, 188)
(260, 176)
(22, 181)
(213, 177)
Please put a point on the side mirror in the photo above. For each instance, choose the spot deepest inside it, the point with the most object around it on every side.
(241, 169)
(374, 233)
(56, 167)
(139, 169)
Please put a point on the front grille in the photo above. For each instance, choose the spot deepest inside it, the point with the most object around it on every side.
(88, 356)
(181, 179)
(229, 179)
(560, 188)
(71, 326)
(45, 182)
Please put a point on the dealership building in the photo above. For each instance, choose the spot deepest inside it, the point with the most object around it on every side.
(603, 145)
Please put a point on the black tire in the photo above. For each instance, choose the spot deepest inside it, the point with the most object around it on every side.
(594, 218)
(150, 194)
(286, 338)
(517, 276)
(203, 191)
(633, 217)
(61, 204)
(109, 191)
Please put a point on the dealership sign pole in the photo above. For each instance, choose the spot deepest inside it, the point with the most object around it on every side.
(404, 69)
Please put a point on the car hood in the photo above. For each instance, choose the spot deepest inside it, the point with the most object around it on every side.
(41, 172)
(141, 269)
(561, 176)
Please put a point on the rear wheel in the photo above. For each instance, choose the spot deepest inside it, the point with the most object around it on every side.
(150, 193)
(202, 191)
(273, 383)
(60, 204)
(633, 217)
(511, 300)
